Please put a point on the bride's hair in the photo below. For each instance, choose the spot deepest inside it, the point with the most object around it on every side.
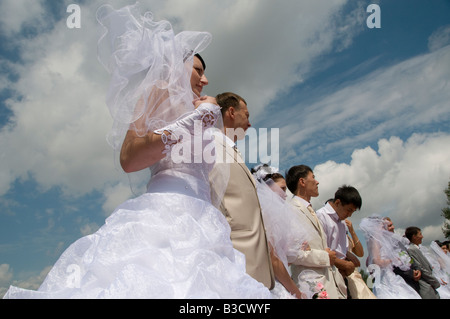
(268, 172)
(201, 60)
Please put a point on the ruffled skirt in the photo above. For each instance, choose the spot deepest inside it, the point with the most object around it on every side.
(158, 245)
(392, 286)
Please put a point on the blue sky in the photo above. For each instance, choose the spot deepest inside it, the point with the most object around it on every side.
(367, 107)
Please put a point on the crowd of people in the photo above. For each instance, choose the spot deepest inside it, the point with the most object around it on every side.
(400, 266)
(213, 228)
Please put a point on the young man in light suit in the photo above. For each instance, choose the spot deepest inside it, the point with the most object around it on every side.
(240, 204)
(302, 184)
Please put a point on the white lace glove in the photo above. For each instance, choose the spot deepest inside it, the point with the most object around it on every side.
(206, 113)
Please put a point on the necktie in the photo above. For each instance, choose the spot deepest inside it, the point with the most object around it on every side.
(311, 210)
(313, 213)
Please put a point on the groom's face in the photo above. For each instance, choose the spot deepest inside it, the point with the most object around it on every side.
(311, 185)
(417, 238)
(242, 116)
(344, 211)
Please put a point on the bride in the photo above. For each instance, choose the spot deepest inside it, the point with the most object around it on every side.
(386, 251)
(170, 242)
(287, 238)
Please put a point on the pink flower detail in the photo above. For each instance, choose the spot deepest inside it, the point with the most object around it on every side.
(323, 295)
(319, 286)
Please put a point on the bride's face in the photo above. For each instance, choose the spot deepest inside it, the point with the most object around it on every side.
(198, 78)
(281, 182)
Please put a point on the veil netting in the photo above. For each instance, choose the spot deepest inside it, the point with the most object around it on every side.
(386, 250)
(285, 233)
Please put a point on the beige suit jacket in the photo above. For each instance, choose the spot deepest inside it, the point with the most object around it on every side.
(317, 258)
(240, 206)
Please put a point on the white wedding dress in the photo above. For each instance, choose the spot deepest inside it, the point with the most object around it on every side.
(440, 263)
(287, 237)
(169, 242)
(385, 252)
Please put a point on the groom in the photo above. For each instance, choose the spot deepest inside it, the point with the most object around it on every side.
(427, 282)
(301, 182)
(240, 204)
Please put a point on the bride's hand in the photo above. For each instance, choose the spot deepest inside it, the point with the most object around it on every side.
(204, 99)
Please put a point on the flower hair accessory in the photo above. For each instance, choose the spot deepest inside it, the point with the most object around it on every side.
(261, 171)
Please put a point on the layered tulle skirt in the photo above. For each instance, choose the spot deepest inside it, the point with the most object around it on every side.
(158, 245)
(391, 286)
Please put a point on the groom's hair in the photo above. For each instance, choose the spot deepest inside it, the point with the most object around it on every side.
(411, 231)
(294, 174)
(229, 99)
(348, 195)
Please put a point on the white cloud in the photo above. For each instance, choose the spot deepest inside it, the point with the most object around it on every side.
(29, 282)
(115, 195)
(440, 38)
(6, 276)
(407, 96)
(404, 180)
(57, 131)
(15, 14)
(88, 229)
(263, 48)
(431, 233)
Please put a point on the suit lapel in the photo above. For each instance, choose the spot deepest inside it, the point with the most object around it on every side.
(237, 159)
(421, 258)
(315, 222)
(305, 211)
(241, 163)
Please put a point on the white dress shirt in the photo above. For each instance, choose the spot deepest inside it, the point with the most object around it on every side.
(335, 230)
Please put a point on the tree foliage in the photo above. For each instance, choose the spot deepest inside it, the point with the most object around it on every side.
(446, 214)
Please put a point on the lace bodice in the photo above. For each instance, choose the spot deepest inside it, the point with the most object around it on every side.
(190, 154)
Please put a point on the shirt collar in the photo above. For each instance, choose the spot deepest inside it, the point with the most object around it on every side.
(330, 211)
(303, 201)
(228, 141)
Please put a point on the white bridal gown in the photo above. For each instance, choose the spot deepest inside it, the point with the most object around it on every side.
(170, 242)
(386, 246)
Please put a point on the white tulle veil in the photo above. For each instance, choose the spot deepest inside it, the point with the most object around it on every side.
(284, 231)
(437, 257)
(150, 69)
(384, 244)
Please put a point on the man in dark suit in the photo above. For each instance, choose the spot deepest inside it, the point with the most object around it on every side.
(413, 274)
(428, 283)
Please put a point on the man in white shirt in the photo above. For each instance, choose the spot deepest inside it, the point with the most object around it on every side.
(332, 217)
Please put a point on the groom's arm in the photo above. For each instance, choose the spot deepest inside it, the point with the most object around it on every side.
(312, 258)
(426, 274)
